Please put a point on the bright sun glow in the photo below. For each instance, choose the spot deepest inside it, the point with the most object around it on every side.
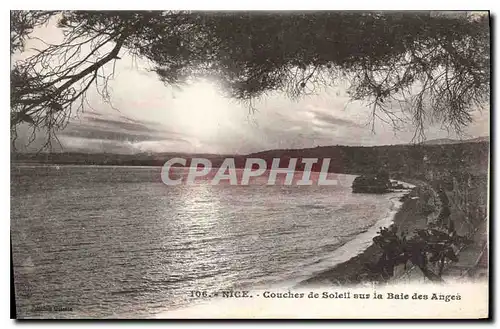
(203, 111)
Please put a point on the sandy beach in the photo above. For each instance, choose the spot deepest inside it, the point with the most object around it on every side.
(408, 218)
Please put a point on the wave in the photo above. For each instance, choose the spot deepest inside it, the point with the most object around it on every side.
(338, 251)
(311, 206)
(348, 247)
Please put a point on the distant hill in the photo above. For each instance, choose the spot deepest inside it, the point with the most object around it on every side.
(480, 139)
(399, 160)
(442, 141)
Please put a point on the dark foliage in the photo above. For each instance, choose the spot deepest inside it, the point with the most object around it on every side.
(431, 246)
(434, 67)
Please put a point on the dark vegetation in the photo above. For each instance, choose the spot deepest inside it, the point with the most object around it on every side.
(417, 66)
(426, 248)
(450, 225)
(398, 160)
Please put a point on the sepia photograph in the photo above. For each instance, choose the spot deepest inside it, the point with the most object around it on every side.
(188, 164)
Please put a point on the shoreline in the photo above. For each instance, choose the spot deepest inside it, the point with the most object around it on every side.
(354, 271)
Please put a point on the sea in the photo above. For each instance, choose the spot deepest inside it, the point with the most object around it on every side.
(115, 242)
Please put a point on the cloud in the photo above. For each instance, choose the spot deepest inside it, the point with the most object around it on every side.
(329, 120)
(94, 145)
(96, 131)
(199, 120)
(129, 124)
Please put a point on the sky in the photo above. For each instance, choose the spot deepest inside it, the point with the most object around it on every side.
(148, 116)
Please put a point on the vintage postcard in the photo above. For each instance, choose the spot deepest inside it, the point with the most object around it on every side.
(250, 164)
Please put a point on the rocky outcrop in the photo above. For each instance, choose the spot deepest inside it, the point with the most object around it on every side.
(371, 184)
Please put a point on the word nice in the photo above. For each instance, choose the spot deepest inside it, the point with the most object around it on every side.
(255, 171)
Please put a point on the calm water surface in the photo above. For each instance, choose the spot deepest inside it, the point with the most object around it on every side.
(116, 242)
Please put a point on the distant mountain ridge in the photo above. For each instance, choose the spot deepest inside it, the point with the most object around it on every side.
(441, 141)
(401, 160)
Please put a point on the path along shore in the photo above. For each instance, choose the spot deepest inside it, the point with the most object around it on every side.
(417, 209)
